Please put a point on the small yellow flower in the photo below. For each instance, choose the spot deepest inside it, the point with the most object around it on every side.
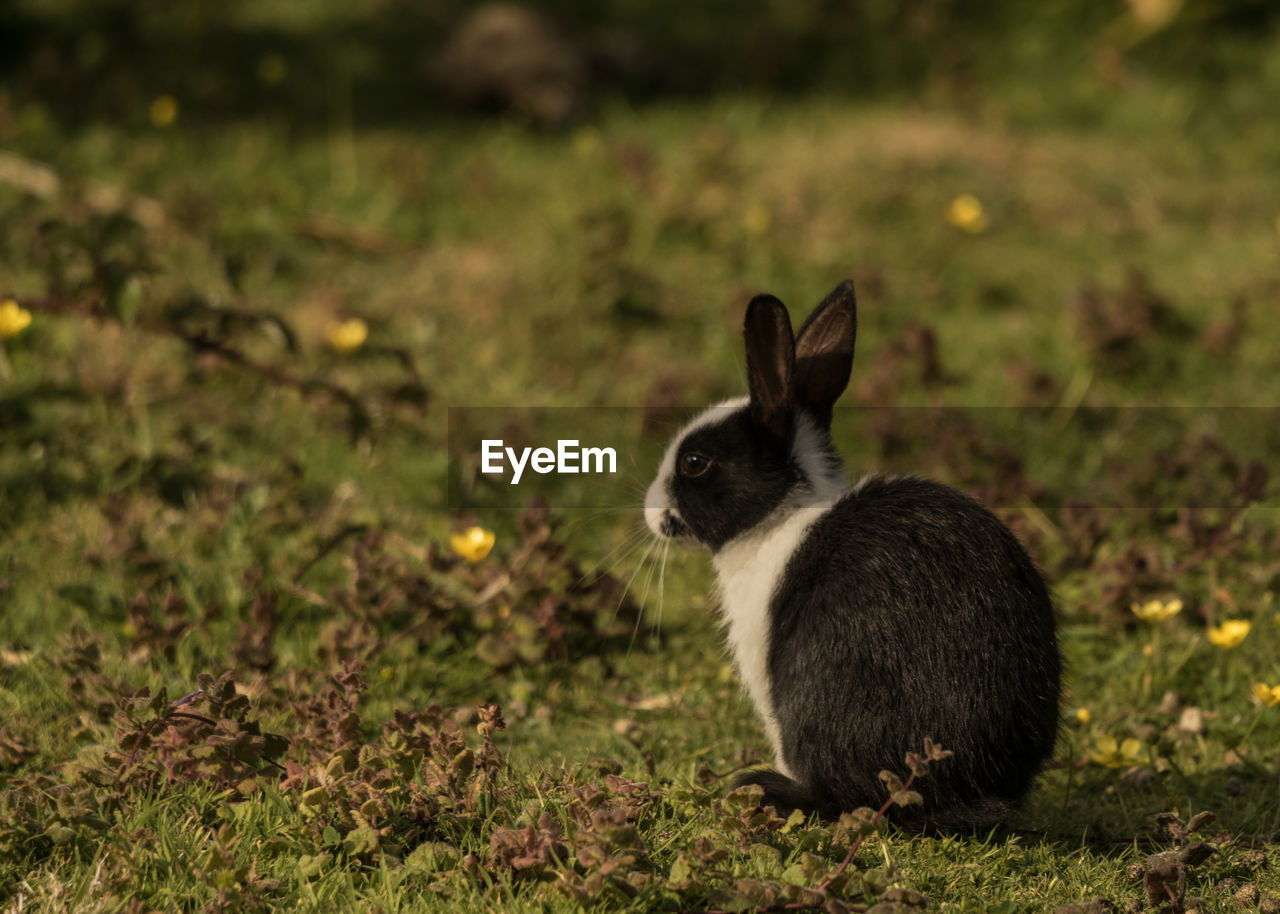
(164, 111)
(1155, 14)
(473, 544)
(1084, 715)
(347, 336)
(1155, 611)
(965, 213)
(1229, 634)
(1106, 751)
(1268, 695)
(13, 318)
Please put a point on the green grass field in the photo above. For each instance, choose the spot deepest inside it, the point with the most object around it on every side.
(199, 493)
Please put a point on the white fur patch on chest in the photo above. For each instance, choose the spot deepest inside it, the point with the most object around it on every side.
(749, 570)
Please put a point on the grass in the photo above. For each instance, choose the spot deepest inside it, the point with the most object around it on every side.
(192, 481)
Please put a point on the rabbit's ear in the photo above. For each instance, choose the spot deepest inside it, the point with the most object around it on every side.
(771, 363)
(824, 352)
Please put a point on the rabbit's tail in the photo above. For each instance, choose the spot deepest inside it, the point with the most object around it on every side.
(785, 794)
(972, 816)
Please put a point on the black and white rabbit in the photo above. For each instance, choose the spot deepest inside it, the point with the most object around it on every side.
(862, 619)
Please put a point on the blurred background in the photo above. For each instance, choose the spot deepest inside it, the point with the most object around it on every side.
(257, 250)
(395, 61)
(262, 247)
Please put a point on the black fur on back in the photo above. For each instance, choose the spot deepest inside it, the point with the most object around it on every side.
(910, 611)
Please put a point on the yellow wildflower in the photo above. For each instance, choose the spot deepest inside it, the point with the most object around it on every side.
(965, 213)
(1106, 751)
(1084, 715)
(1154, 611)
(347, 336)
(1268, 695)
(473, 544)
(1229, 634)
(13, 318)
(164, 111)
(1154, 15)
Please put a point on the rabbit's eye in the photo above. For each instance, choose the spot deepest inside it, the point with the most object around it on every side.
(694, 465)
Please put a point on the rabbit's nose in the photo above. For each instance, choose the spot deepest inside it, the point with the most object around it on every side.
(673, 526)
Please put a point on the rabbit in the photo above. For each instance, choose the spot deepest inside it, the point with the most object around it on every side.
(862, 619)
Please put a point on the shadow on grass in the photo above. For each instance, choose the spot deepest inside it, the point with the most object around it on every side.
(1112, 812)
